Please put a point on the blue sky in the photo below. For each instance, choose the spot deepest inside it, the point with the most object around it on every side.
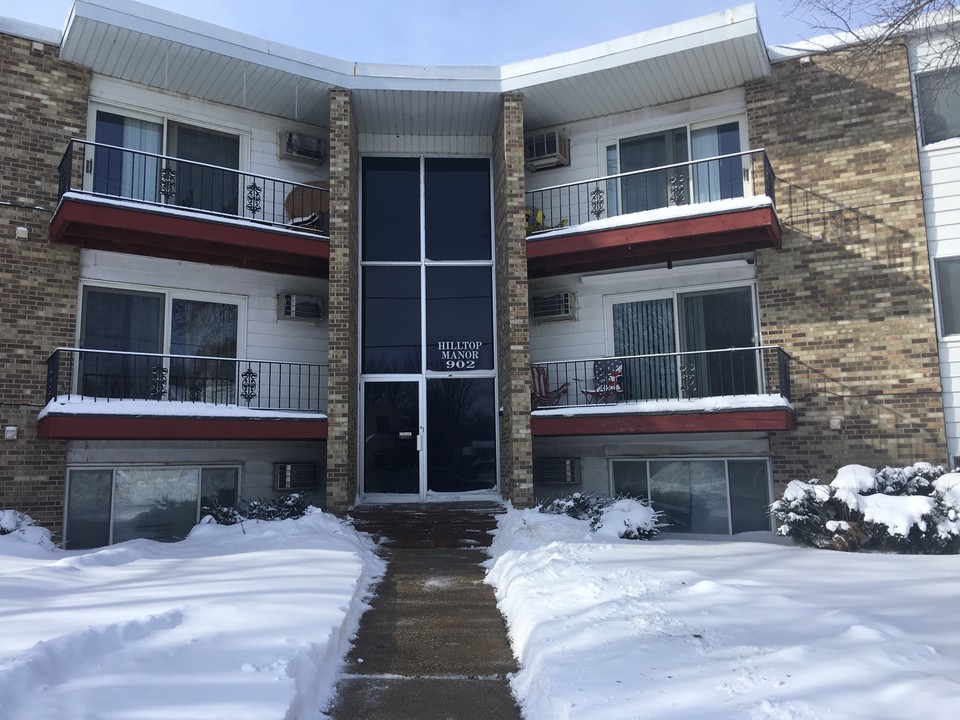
(440, 32)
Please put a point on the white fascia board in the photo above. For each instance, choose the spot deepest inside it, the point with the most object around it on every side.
(179, 29)
(718, 27)
(31, 31)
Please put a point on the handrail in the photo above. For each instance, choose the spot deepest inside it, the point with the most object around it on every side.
(747, 173)
(106, 170)
(111, 375)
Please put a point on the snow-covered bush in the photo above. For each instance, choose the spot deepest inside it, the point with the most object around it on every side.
(914, 509)
(22, 525)
(617, 516)
(284, 507)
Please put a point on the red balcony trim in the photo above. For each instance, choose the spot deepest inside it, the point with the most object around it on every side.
(623, 424)
(175, 235)
(681, 239)
(125, 427)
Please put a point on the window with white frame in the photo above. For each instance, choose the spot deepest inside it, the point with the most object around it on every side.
(948, 294)
(694, 343)
(134, 324)
(137, 172)
(938, 101)
(699, 495)
(678, 165)
(113, 504)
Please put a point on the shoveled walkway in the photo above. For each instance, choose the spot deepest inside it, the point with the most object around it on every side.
(433, 645)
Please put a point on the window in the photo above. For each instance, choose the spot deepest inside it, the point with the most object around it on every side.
(110, 505)
(948, 294)
(710, 496)
(137, 324)
(694, 182)
(683, 328)
(137, 173)
(938, 97)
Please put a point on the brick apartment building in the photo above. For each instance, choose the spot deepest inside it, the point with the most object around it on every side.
(680, 265)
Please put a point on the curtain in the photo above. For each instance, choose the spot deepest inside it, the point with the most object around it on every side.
(718, 179)
(646, 327)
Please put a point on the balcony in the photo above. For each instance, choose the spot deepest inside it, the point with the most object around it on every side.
(122, 200)
(737, 389)
(104, 394)
(714, 206)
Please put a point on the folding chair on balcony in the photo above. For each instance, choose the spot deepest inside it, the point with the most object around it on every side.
(540, 394)
(607, 382)
(308, 206)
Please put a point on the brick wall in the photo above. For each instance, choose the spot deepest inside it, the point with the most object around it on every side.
(343, 318)
(513, 340)
(44, 102)
(849, 295)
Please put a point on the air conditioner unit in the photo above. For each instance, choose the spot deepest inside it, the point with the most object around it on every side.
(546, 150)
(298, 146)
(292, 306)
(295, 476)
(561, 306)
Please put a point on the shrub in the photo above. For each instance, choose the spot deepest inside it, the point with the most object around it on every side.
(912, 509)
(284, 507)
(623, 516)
(12, 521)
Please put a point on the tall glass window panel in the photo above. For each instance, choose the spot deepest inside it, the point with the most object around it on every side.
(646, 327)
(717, 179)
(218, 486)
(630, 478)
(457, 208)
(124, 321)
(749, 495)
(127, 173)
(391, 209)
(655, 188)
(939, 97)
(391, 437)
(612, 198)
(391, 319)
(155, 503)
(459, 318)
(205, 186)
(203, 329)
(461, 434)
(88, 508)
(948, 292)
(719, 320)
(691, 494)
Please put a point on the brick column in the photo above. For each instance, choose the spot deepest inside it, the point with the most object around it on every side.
(44, 104)
(513, 337)
(849, 295)
(343, 315)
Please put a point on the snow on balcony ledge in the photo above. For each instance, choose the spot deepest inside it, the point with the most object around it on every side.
(666, 407)
(75, 405)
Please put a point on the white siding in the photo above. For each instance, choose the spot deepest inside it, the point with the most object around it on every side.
(585, 137)
(586, 336)
(255, 459)
(425, 144)
(259, 144)
(940, 177)
(267, 338)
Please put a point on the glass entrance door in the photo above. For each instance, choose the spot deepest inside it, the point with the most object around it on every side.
(392, 436)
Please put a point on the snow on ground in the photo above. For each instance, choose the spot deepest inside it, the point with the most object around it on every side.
(239, 622)
(750, 629)
(253, 622)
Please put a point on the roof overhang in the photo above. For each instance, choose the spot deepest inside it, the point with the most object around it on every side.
(160, 49)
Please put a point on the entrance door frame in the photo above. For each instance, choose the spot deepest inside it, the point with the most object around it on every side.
(425, 374)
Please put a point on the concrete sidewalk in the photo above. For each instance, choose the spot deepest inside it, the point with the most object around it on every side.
(434, 644)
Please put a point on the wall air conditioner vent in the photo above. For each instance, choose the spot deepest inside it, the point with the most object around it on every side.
(298, 146)
(562, 306)
(299, 307)
(546, 150)
(557, 471)
(295, 476)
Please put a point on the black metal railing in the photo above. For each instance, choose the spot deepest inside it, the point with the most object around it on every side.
(105, 375)
(143, 177)
(665, 376)
(722, 177)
